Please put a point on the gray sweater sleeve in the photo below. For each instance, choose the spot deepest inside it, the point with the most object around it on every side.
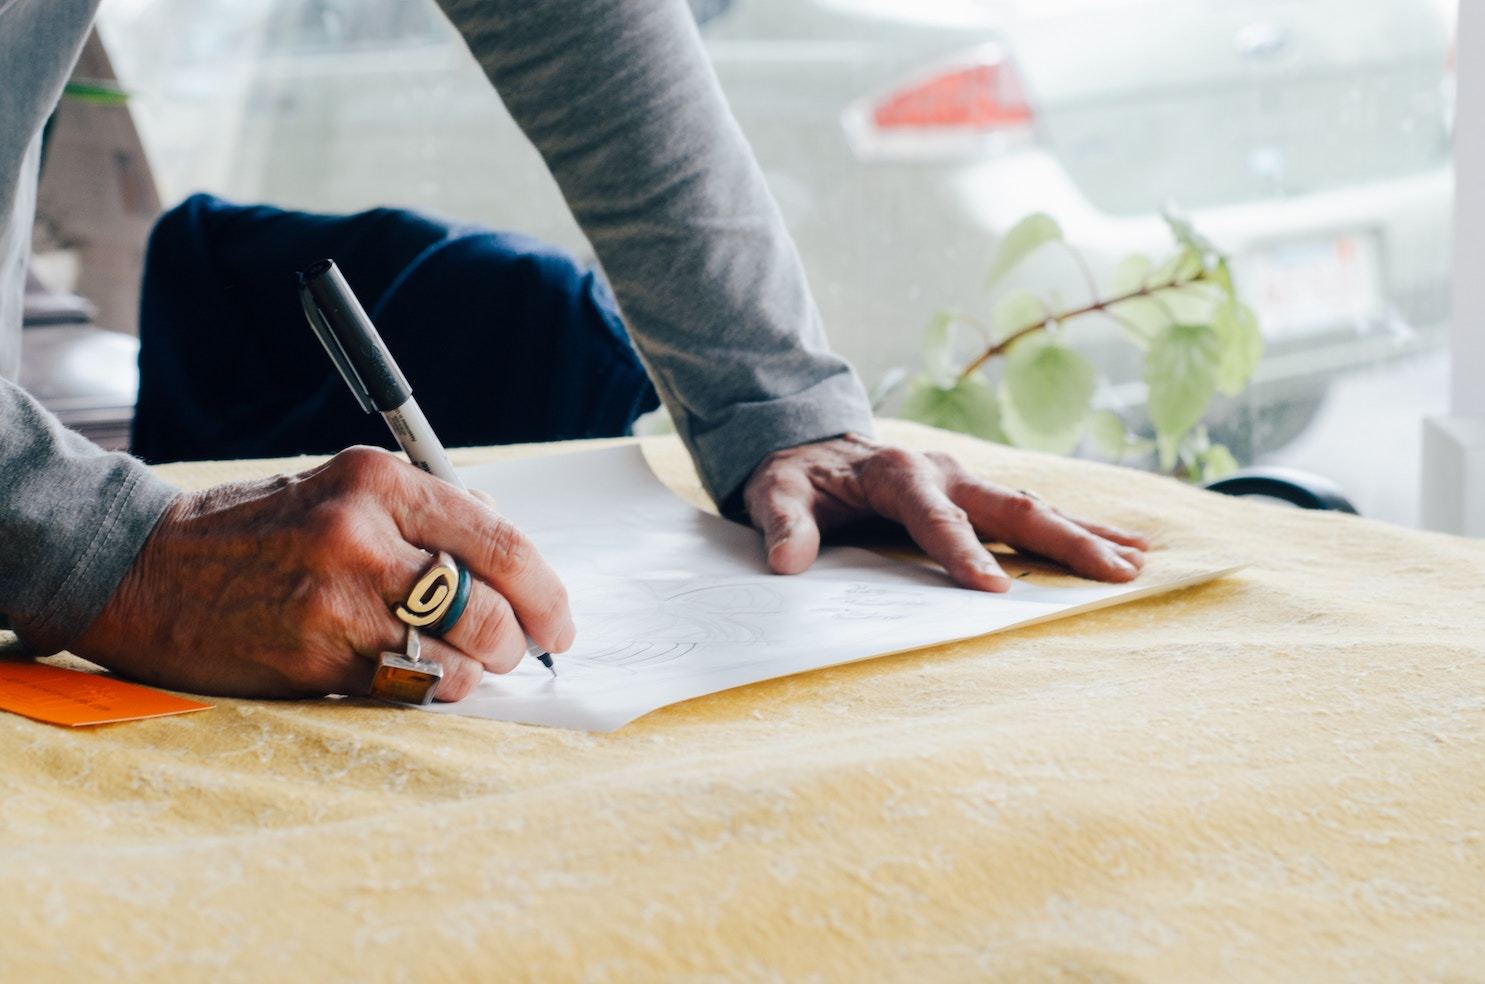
(620, 100)
(72, 519)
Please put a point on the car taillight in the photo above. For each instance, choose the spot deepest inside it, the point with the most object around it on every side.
(970, 105)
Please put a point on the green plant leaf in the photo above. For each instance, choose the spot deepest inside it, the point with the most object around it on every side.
(1217, 462)
(968, 407)
(1222, 277)
(1169, 448)
(938, 350)
(1132, 273)
(1108, 434)
(1139, 317)
(1181, 373)
(1185, 233)
(1045, 394)
(1023, 239)
(1242, 345)
(1182, 268)
(1192, 304)
(1018, 309)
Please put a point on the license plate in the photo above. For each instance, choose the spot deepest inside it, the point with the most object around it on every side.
(1307, 286)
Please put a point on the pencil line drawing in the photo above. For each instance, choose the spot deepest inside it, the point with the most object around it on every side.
(671, 603)
(674, 610)
(631, 656)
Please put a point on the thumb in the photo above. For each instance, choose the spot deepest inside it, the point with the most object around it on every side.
(791, 536)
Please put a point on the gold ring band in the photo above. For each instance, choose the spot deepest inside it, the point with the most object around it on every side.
(431, 596)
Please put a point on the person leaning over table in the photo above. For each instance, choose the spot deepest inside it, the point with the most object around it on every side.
(285, 587)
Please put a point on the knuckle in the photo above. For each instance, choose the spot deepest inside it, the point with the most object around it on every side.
(890, 460)
(363, 467)
(508, 550)
(1019, 504)
(766, 469)
(945, 462)
(331, 521)
(768, 485)
(493, 629)
(945, 515)
(336, 535)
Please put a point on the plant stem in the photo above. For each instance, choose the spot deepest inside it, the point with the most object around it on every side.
(999, 348)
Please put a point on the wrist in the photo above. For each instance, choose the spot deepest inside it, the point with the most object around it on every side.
(128, 627)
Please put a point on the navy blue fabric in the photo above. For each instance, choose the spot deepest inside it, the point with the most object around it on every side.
(503, 338)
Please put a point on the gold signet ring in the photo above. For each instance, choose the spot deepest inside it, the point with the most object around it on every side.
(430, 598)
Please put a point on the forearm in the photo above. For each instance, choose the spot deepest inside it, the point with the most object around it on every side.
(72, 520)
(620, 100)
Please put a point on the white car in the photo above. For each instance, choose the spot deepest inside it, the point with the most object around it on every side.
(1310, 139)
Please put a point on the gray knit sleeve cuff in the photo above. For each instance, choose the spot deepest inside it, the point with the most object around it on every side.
(72, 519)
(727, 451)
(92, 566)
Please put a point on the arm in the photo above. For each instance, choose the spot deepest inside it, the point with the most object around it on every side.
(619, 98)
(72, 519)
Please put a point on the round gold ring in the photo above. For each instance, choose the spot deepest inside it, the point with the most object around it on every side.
(430, 598)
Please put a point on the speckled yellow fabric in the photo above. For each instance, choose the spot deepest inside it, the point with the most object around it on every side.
(1278, 776)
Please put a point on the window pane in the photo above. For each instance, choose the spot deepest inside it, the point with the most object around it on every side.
(1310, 140)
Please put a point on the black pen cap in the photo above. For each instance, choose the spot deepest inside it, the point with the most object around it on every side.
(351, 339)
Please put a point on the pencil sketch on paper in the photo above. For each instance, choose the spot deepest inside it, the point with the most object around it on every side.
(635, 655)
(676, 609)
(672, 603)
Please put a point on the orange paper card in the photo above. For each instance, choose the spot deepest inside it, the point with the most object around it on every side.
(73, 698)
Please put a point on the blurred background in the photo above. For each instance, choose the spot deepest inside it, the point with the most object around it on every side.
(1310, 139)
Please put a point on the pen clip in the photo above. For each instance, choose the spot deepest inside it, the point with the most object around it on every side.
(334, 349)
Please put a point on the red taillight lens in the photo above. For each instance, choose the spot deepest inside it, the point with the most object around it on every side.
(982, 97)
(970, 106)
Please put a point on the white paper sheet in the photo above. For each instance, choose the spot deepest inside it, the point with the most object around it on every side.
(672, 603)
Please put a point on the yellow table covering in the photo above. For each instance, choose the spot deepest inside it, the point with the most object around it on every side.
(1276, 776)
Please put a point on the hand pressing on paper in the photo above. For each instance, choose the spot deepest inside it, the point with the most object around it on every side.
(285, 587)
(799, 493)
